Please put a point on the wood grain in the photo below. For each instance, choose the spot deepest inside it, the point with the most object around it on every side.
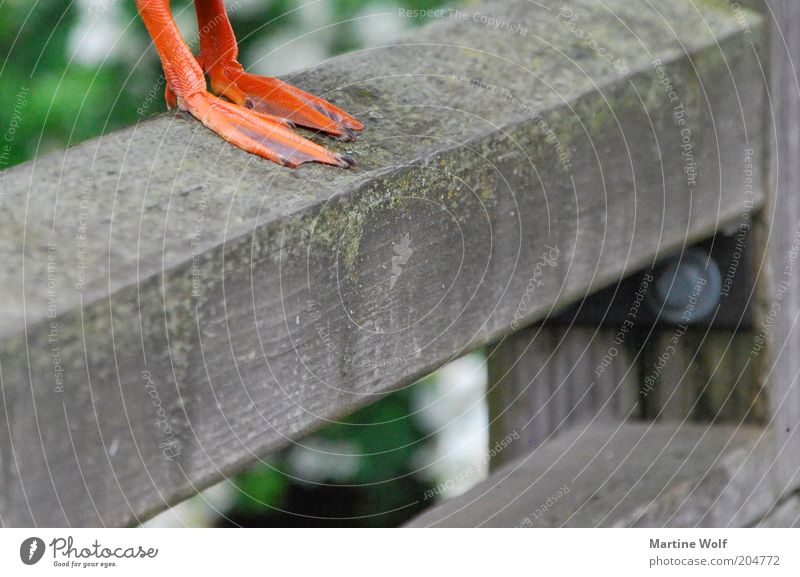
(778, 318)
(625, 475)
(543, 382)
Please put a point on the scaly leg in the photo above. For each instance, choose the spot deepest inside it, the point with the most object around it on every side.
(260, 133)
(218, 57)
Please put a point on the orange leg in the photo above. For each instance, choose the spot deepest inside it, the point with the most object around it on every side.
(218, 57)
(260, 133)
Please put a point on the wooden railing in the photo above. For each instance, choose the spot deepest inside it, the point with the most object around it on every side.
(173, 309)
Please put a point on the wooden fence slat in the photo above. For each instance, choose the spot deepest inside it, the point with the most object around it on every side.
(626, 475)
(780, 226)
(529, 370)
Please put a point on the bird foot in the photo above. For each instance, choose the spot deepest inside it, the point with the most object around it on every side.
(278, 98)
(252, 112)
(259, 133)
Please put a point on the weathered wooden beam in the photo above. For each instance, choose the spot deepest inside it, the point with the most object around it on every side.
(173, 308)
(777, 324)
(626, 475)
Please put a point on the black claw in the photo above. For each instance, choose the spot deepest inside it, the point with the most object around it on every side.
(347, 135)
(348, 160)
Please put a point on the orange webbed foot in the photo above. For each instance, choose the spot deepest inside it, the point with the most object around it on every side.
(279, 98)
(255, 113)
(265, 135)
(266, 96)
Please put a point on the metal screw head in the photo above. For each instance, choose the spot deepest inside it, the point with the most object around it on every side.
(687, 287)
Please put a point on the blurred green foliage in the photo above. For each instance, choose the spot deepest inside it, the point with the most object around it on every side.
(53, 100)
(381, 490)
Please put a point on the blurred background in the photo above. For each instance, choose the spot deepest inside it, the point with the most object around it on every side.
(87, 67)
